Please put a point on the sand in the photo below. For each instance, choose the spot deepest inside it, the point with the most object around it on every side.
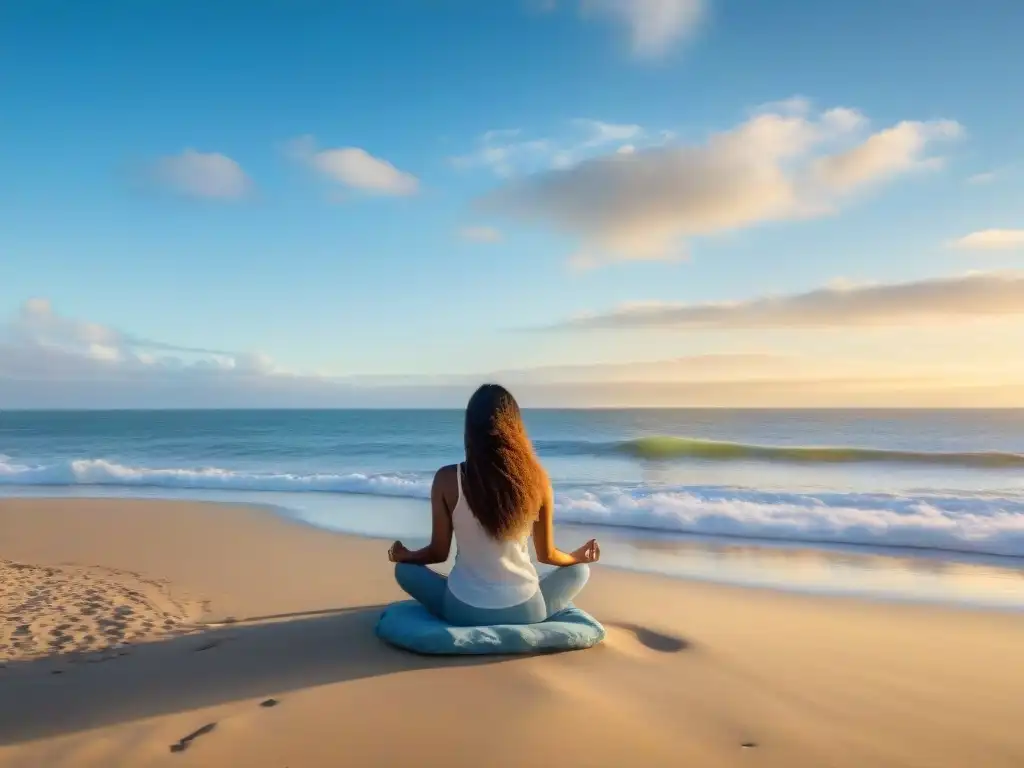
(145, 633)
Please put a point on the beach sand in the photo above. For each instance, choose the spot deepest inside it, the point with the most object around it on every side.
(131, 625)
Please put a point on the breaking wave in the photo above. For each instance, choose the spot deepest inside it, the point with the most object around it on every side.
(108, 473)
(963, 522)
(666, 448)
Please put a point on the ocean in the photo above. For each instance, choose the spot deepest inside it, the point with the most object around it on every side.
(904, 504)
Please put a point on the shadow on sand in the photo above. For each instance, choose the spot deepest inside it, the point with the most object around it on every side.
(53, 696)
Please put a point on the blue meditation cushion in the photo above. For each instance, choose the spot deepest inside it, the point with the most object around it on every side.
(411, 626)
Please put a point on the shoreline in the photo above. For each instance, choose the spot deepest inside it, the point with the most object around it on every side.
(896, 575)
(689, 671)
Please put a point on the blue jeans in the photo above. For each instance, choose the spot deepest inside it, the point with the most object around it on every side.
(430, 588)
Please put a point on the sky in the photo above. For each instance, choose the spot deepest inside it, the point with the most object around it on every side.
(597, 202)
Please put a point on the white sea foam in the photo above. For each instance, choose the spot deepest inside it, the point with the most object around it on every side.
(981, 523)
(975, 523)
(108, 473)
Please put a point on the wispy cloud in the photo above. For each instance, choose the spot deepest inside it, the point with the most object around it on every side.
(354, 168)
(937, 300)
(983, 178)
(782, 163)
(687, 368)
(504, 153)
(507, 153)
(991, 240)
(885, 154)
(201, 175)
(654, 26)
(41, 334)
(480, 234)
(600, 133)
(48, 360)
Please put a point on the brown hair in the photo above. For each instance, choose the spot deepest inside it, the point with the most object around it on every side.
(503, 481)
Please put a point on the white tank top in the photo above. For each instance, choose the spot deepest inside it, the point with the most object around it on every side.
(488, 573)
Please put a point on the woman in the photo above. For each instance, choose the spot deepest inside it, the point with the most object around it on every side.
(491, 502)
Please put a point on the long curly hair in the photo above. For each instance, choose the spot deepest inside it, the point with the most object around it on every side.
(503, 481)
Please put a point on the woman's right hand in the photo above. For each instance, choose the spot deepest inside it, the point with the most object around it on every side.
(588, 553)
(397, 552)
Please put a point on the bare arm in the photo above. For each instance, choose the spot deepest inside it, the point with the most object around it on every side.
(544, 539)
(441, 528)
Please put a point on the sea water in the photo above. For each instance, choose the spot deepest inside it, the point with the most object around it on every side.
(916, 504)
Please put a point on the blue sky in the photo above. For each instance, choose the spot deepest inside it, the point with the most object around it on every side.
(154, 183)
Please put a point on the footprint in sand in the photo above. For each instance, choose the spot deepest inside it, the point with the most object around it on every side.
(183, 743)
(209, 645)
(70, 609)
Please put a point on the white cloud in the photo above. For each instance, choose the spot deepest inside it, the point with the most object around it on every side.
(982, 178)
(504, 154)
(48, 359)
(885, 154)
(211, 176)
(841, 120)
(654, 25)
(507, 154)
(601, 133)
(499, 134)
(992, 240)
(689, 368)
(354, 168)
(480, 234)
(782, 163)
(38, 324)
(52, 361)
(103, 352)
(937, 300)
(252, 362)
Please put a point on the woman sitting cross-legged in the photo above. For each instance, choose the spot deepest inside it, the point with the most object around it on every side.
(491, 503)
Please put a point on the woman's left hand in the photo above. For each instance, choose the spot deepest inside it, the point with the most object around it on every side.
(588, 553)
(397, 552)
